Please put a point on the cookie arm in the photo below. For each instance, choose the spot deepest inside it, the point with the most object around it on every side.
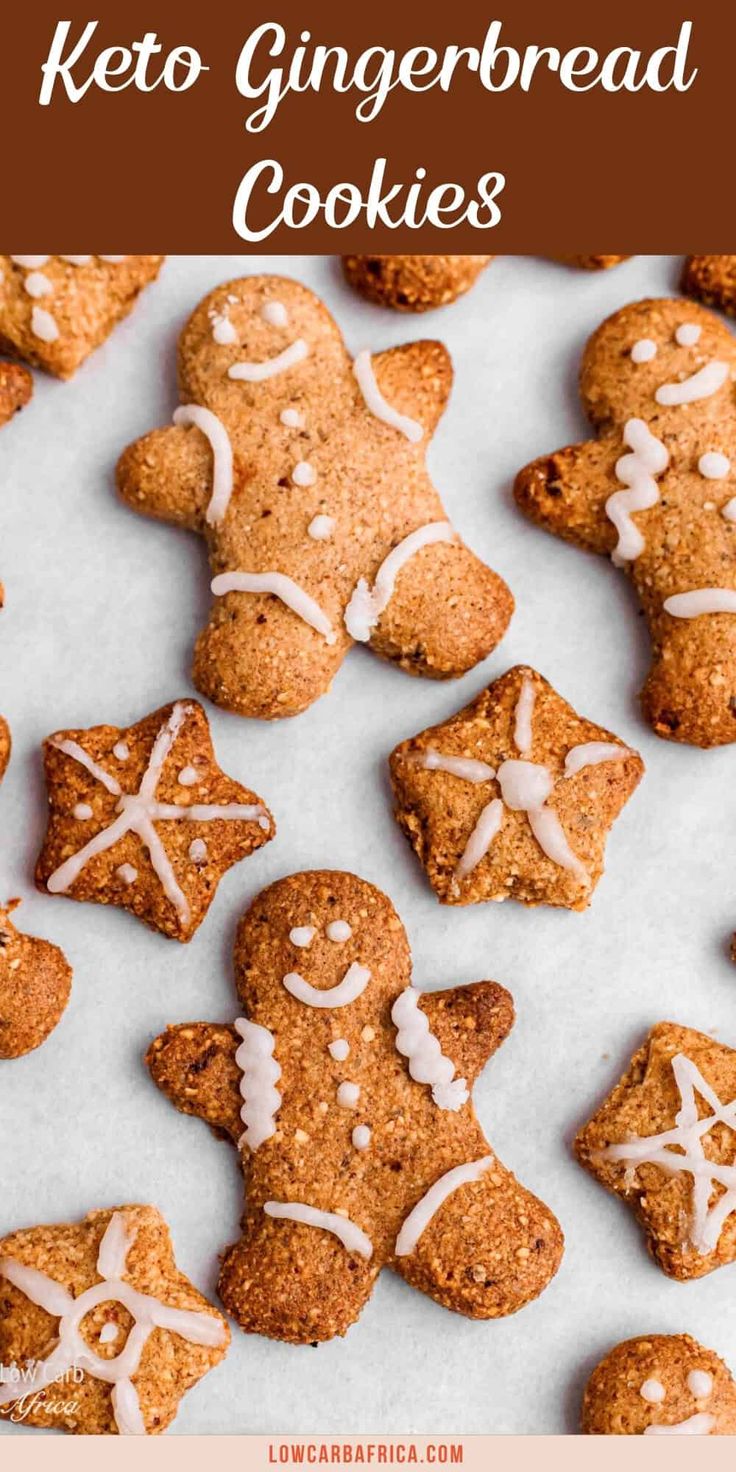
(416, 379)
(470, 1023)
(566, 493)
(194, 1065)
(168, 475)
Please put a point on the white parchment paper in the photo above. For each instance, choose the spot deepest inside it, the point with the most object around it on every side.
(102, 610)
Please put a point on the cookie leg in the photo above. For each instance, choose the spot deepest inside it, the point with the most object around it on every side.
(690, 692)
(490, 1249)
(447, 612)
(258, 658)
(273, 1281)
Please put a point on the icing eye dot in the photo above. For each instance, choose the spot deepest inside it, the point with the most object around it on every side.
(700, 1384)
(687, 334)
(109, 1333)
(198, 850)
(187, 777)
(292, 418)
(339, 931)
(361, 1137)
(127, 873)
(713, 465)
(321, 528)
(303, 473)
(121, 750)
(339, 1049)
(653, 1392)
(223, 331)
(275, 314)
(643, 351)
(348, 1095)
(302, 935)
(82, 811)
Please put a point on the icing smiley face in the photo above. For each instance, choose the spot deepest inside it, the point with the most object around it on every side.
(660, 1385)
(348, 1094)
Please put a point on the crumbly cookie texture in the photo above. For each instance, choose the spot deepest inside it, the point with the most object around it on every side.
(143, 817)
(593, 263)
(54, 310)
(348, 1095)
(35, 985)
(660, 1385)
(16, 387)
(655, 491)
(5, 741)
(513, 797)
(413, 283)
(665, 1141)
(99, 1327)
(305, 472)
(712, 279)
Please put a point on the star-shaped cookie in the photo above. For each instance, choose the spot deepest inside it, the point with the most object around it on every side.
(100, 1334)
(513, 796)
(144, 818)
(665, 1140)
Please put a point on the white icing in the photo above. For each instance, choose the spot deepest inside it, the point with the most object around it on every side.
(348, 1095)
(260, 1074)
(635, 471)
(591, 754)
(713, 465)
(348, 990)
(643, 351)
(275, 314)
(700, 1384)
(339, 1049)
(292, 418)
(43, 325)
(30, 263)
(681, 1149)
(524, 717)
(78, 260)
(37, 285)
(258, 372)
(223, 330)
(71, 1351)
(421, 1215)
(339, 931)
(351, 1236)
(321, 527)
(375, 402)
(82, 811)
(302, 935)
(465, 767)
(303, 474)
(280, 586)
(361, 1136)
(121, 750)
(187, 777)
(699, 601)
(367, 604)
(700, 1425)
(198, 851)
(113, 260)
(700, 385)
(138, 812)
(481, 838)
(687, 334)
(127, 872)
(653, 1392)
(729, 510)
(109, 1333)
(427, 1063)
(215, 432)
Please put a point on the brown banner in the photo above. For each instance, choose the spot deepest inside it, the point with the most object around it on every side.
(154, 144)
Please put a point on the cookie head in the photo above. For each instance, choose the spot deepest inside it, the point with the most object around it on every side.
(653, 359)
(660, 1385)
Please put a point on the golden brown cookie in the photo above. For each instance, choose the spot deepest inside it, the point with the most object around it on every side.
(593, 263)
(16, 387)
(655, 491)
(513, 796)
(35, 985)
(305, 473)
(348, 1094)
(665, 1141)
(413, 283)
(712, 279)
(142, 817)
(100, 1334)
(54, 310)
(5, 746)
(660, 1385)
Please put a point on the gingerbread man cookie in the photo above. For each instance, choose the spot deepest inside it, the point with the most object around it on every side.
(305, 473)
(142, 817)
(35, 984)
(54, 310)
(665, 1141)
(660, 1385)
(419, 283)
(513, 796)
(655, 492)
(16, 387)
(100, 1334)
(348, 1094)
(712, 279)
